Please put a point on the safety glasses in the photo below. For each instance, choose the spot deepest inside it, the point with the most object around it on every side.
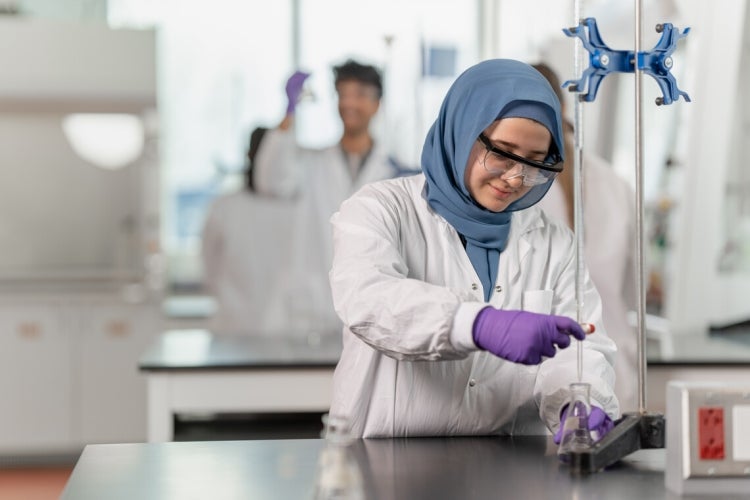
(534, 173)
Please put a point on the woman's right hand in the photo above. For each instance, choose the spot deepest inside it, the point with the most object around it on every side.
(522, 336)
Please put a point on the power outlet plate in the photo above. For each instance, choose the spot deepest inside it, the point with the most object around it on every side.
(708, 437)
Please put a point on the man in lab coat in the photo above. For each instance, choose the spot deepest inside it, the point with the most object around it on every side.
(319, 180)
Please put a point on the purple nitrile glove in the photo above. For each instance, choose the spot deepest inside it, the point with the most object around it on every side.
(294, 89)
(599, 424)
(522, 336)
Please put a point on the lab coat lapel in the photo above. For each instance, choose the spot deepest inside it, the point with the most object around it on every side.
(523, 225)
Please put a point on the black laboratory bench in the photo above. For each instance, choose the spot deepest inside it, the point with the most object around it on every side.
(411, 469)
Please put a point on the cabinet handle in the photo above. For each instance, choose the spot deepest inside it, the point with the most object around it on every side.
(118, 328)
(29, 330)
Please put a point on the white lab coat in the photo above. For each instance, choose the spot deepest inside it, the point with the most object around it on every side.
(319, 179)
(609, 248)
(245, 243)
(408, 295)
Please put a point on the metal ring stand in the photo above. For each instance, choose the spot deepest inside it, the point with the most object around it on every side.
(641, 429)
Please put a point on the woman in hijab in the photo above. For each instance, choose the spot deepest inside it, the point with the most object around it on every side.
(456, 292)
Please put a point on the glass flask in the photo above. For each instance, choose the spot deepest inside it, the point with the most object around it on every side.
(338, 476)
(576, 436)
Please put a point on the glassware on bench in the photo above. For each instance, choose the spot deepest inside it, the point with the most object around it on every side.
(576, 436)
(338, 476)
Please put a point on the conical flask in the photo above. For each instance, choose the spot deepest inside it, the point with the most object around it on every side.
(339, 476)
(576, 436)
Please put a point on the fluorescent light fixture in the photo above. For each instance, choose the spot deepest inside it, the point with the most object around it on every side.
(106, 140)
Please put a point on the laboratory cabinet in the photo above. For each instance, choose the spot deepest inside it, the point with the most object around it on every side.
(35, 380)
(68, 372)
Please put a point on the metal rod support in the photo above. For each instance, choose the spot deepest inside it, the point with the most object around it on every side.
(578, 189)
(640, 276)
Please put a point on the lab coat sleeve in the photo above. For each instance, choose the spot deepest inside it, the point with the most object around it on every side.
(404, 318)
(279, 164)
(556, 373)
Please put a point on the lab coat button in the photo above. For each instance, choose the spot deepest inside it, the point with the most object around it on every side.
(472, 383)
(474, 286)
(498, 288)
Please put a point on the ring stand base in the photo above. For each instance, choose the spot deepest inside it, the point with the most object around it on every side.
(632, 432)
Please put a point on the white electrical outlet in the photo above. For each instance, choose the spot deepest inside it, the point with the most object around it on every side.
(708, 438)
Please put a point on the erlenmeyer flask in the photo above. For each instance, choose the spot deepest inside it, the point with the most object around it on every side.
(339, 476)
(576, 436)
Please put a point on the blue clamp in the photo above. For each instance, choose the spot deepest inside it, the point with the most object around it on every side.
(603, 61)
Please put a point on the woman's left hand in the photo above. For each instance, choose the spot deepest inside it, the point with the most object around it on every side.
(599, 423)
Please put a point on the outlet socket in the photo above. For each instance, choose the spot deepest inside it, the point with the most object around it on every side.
(711, 433)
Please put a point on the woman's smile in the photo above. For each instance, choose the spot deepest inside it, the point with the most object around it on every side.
(501, 192)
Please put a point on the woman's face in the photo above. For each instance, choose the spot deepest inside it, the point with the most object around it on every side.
(521, 136)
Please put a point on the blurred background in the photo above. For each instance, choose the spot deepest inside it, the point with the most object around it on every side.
(122, 120)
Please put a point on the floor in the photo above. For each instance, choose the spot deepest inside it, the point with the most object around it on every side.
(35, 481)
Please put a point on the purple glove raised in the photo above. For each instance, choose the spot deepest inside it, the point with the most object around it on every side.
(294, 90)
(599, 424)
(522, 336)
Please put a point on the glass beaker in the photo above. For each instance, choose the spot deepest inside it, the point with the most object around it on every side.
(339, 476)
(576, 436)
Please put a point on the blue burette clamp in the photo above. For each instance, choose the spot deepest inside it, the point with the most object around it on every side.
(603, 61)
